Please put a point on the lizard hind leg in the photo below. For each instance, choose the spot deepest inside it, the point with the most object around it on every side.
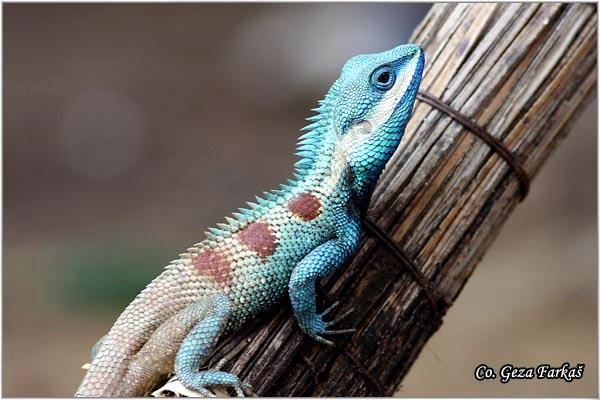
(195, 348)
(192, 331)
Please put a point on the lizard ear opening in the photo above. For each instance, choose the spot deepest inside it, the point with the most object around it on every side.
(361, 128)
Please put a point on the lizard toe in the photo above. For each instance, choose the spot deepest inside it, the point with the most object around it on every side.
(339, 318)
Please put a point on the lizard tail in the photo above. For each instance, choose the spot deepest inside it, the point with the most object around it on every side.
(165, 296)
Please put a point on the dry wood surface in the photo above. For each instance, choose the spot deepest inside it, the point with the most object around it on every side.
(521, 71)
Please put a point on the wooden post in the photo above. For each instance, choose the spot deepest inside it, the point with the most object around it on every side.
(522, 71)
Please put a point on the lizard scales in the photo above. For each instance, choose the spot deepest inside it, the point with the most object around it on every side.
(282, 244)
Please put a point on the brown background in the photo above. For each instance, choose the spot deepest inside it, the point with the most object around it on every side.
(128, 129)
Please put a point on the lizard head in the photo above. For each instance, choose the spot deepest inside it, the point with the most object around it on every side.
(362, 119)
(374, 98)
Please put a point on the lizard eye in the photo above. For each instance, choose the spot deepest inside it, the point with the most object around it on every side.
(383, 78)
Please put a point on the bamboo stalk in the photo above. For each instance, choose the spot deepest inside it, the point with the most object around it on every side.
(522, 71)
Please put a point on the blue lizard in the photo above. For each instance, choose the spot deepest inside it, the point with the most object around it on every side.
(283, 244)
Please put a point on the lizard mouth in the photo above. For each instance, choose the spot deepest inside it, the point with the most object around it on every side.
(411, 92)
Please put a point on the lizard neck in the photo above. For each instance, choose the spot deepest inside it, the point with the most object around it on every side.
(324, 166)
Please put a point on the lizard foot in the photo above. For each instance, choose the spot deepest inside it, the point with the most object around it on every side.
(317, 327)
(175, 388)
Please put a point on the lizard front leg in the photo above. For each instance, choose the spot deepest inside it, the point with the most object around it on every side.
(320, 262)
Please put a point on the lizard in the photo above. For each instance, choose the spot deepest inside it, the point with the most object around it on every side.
(280, 245)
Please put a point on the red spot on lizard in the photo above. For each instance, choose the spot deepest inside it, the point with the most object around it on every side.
(213, 264)
(258, 237)
(307, 206)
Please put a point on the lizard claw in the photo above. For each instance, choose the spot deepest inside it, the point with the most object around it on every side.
(221, 363)
(339, 331)
(339, 318)
(331, 332)
(322, 340)
(330, 308)
(322, 325)
(248, 389)
(317, 327)
(242, 389)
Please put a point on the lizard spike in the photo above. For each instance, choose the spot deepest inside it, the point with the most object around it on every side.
(238, 216)
(314, 118)
(209, 235)
(308, 148)
(223, 227)
(305, 153)
(296, 176)
(246, 212)
(306, 145)
(231, 221)
(253, 206)
(215, 231)
(310, 127)
(269, 196)
(284, 187)
(307, 139)
(261, 201)
(170, 266)
(303, 163)
(305, 136)
(327, 100)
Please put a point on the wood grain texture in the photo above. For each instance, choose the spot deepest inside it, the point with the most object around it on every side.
(522, 71)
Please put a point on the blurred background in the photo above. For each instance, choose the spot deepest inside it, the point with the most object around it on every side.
(129, 129)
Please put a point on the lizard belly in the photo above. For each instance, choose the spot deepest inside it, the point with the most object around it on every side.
(261, 283)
